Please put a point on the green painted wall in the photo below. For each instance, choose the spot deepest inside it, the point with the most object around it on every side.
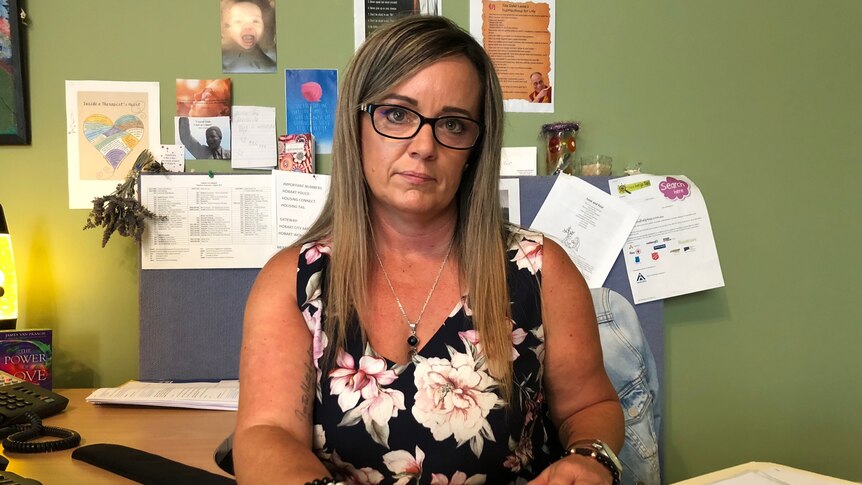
(758, 102)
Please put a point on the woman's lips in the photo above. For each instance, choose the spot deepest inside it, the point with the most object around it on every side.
(416, 177)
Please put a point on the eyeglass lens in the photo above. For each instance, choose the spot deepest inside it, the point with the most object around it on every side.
(399, 122)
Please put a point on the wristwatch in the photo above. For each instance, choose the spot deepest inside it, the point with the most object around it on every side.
(601, 452)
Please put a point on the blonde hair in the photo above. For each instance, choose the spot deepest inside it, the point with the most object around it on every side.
(389, 56)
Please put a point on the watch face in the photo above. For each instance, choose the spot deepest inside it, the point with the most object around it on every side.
(607, 451)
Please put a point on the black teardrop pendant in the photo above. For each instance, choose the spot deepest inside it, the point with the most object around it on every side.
(412, 341)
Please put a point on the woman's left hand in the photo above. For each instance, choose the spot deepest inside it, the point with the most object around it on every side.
(574, 469)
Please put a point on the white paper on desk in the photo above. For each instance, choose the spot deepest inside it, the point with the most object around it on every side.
(516, 161)
(299, 198)
(510, 199)
(224, 221)
(778, 475)
(671, 250)
(253, 137)
(588, 223)
(222, 395)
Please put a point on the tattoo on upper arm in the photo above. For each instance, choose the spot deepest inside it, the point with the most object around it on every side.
(308, 388)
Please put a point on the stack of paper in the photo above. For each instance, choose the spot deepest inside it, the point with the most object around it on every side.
(222, 395)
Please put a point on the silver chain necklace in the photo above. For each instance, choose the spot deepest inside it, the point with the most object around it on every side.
(412, 340)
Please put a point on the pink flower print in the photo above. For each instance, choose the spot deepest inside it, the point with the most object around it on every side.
(314, 250)
(518, 336)
(363, 476)
(539, 332)
(459, 478)
(405, 466)
(375, 412)
(383, 406)
(454, 399)
(313, 291)
(319, 340)
(462, 304)
(471, 336)
(528, 255)
(357, 476)
(319, 442)
(350, 383)
(512, 463)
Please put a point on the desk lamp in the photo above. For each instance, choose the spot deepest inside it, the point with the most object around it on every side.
(8, 280)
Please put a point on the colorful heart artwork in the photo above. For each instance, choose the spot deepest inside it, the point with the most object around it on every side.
(114, 139)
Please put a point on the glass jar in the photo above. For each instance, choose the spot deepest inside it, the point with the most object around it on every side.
(594, 165)
(560, 145)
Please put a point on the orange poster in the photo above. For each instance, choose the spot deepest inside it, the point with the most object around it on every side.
(519, 38)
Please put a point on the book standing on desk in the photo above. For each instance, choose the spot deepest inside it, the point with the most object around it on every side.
(27, 355)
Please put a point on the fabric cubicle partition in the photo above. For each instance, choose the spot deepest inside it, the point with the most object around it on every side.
(191, 320)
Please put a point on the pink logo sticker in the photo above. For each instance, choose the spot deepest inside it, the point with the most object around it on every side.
(674, 189)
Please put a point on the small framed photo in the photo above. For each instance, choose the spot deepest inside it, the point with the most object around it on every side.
(14, 115)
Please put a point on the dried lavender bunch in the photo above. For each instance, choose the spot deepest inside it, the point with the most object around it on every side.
(120, 211)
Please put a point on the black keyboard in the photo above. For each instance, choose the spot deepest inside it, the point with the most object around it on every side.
(9, 478)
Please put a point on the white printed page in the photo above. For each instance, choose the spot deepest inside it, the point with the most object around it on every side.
(299, 198)
(253, 137)
(515, 161)
(588, 223)
(223, 221)
(671, 250)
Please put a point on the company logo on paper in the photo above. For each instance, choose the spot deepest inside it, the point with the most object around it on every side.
(674, 189)
(641, 278)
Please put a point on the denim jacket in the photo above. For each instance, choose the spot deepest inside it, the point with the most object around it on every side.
(632, 370)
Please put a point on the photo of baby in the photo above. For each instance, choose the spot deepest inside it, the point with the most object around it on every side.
(248, 36)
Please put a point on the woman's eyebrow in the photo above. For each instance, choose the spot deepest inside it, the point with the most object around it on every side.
(401, 97)
(415, 104)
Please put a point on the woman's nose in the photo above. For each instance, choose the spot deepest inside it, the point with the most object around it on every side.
(423, 144)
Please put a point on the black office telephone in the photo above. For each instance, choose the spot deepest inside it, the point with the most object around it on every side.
(18, 396)
(22, 402)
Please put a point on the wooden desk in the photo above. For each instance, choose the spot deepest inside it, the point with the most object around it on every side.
(189, 436)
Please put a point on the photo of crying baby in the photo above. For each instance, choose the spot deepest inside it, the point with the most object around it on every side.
(248, 36)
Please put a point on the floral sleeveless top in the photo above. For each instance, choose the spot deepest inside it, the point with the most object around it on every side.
(439, 419)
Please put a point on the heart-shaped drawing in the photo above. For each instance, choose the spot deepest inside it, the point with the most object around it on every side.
(114, 139)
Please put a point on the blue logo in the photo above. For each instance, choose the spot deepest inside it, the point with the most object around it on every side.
(637, 259)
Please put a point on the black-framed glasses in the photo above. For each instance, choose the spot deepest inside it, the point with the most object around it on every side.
(401, 123)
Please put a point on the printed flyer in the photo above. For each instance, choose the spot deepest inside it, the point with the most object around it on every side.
(519, 37)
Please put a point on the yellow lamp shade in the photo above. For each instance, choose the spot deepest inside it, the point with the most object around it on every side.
(8, 278)
(8, 281)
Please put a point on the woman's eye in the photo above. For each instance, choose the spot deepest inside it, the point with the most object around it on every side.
(397, 115)
(453, 125)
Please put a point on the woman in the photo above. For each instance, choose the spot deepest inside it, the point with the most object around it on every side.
(412, 337)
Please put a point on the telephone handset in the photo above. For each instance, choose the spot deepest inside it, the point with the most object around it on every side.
(18, 396)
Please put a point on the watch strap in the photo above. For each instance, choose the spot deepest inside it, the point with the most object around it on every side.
(602, 459)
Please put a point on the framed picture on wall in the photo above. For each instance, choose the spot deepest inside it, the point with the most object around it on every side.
(14, 116)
